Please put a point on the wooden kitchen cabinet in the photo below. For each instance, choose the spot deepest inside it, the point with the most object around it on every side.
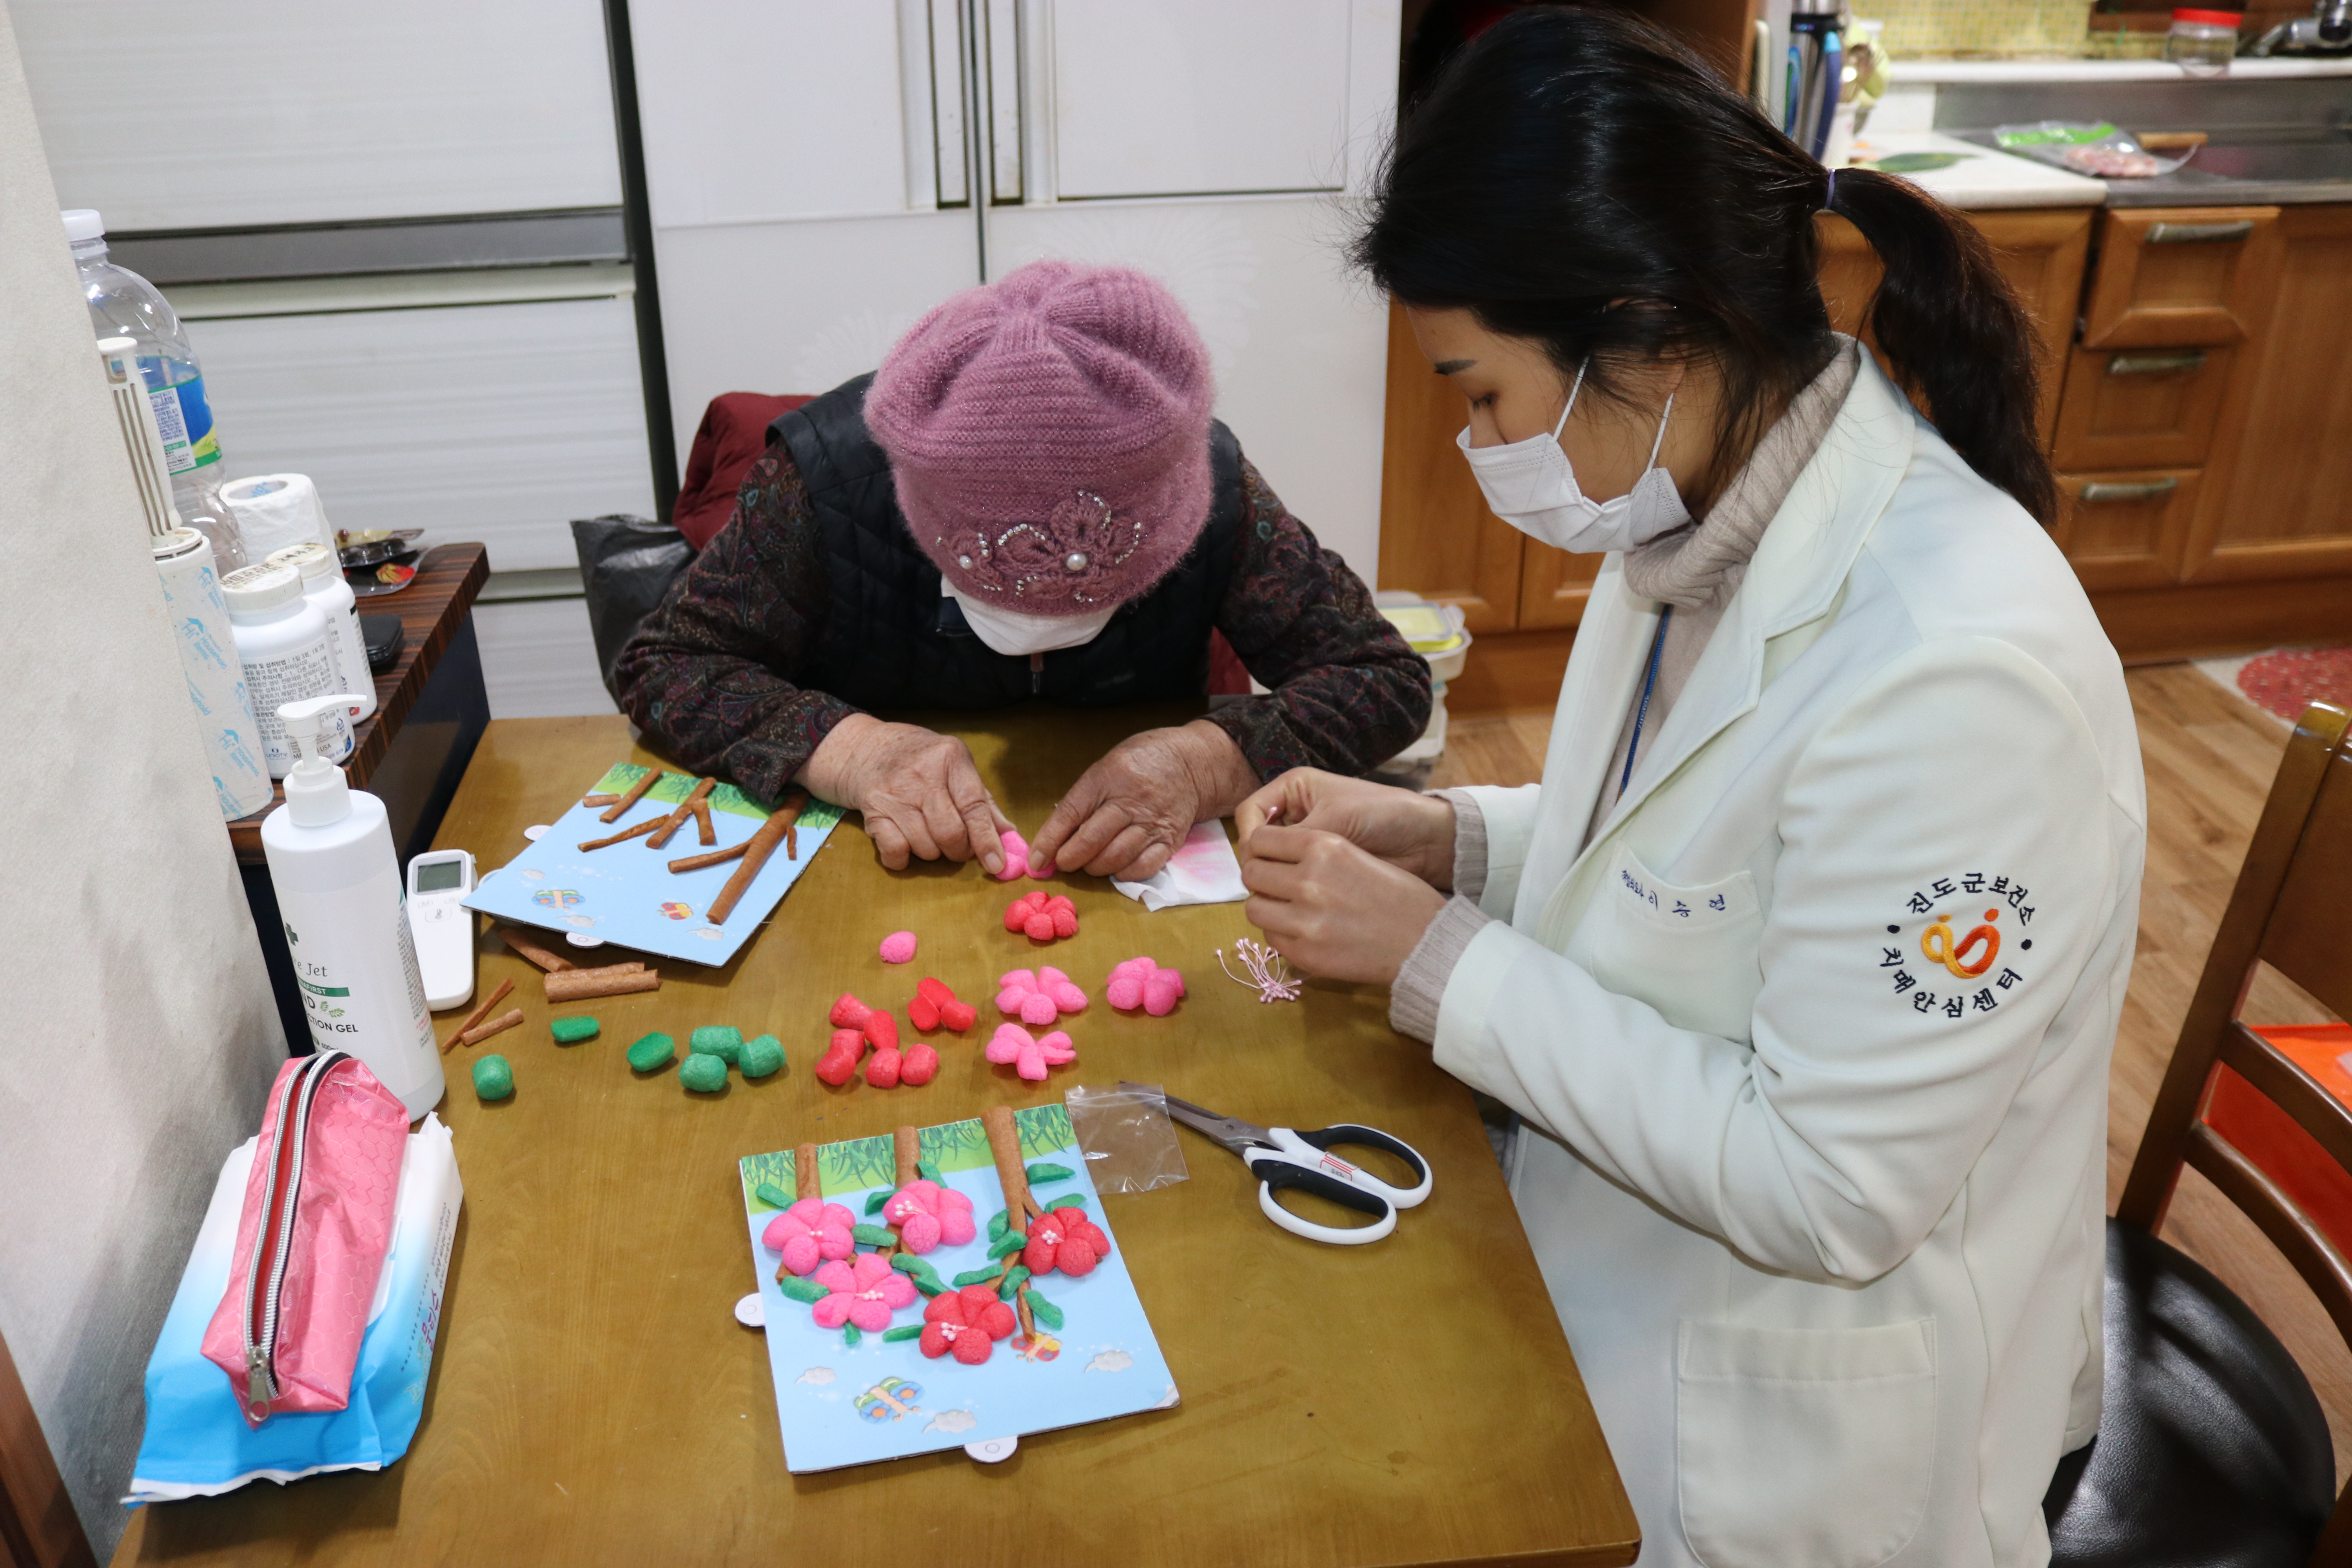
(2138, 408)
(2127, 530)
(2180, 277)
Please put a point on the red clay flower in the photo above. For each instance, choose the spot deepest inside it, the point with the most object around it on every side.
(1064, 1239)
(968, 1322)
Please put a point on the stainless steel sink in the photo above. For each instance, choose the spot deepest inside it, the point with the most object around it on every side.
(2327, 159)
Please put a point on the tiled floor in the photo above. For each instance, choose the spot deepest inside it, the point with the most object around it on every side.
(2210, 756)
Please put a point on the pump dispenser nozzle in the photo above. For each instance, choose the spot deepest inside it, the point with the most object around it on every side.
(316, 791)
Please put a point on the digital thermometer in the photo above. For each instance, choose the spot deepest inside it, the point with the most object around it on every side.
(442, 926)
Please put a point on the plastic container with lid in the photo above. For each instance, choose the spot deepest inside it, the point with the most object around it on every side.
(281, 640)
(323, 586)
(2202, 43)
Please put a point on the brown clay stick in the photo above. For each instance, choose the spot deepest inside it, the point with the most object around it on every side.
(1004, 1147)
(708, 834)
(497, 1026)
(620, 808)
(639, 831)
(529, 948)
(478, 1014)
(676, 819)
(756, 851)
(598, 799)
(715, 857)
(1020, 1305)
(580, 985)
(907, 1152)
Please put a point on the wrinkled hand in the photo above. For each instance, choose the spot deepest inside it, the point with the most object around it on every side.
(1130, 811)
(1412, 832)
(1332, 907)
(920, 791)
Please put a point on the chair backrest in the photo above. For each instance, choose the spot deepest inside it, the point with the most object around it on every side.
(2292, 909)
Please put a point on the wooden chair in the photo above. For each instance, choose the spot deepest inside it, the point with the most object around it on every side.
(2212, 1449)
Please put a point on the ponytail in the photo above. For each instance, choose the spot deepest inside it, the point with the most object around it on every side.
(1571, 160)
(1953, 332)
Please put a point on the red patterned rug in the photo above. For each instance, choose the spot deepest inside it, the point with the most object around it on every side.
(2288, 680)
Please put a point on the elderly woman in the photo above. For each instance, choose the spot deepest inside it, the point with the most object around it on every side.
(1028, 500)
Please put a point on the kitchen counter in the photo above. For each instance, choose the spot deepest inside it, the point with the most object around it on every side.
(1983, 179)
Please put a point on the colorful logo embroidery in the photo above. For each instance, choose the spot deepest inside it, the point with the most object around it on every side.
(1971, 956)
(558, 897)
(888, 1400)
(678, 911)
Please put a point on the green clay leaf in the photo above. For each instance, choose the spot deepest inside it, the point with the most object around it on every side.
(998, 1225)
(927, 1170)
(903, 1332)
(850, 1334)
(770, 1194)
(1039, 1175)
(876, 1236)
(1067, 1201)
(804, 1290)
(1014, 1278)
(975, 1277)
(1011, 1241)
(1045, 1311)
(928, 1284)
(918, 1268)
(875, 1200)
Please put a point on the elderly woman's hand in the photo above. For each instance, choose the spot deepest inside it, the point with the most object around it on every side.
(1130, 811)
(1333, 908)
(920, 791)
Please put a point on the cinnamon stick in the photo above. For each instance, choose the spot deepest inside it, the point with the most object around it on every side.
(640, 830)
(478, 1015)
(708, 834)
(497, 1026)
(529, 948)
(676, 819)
(620, 808)
(598, 799)
(1004, 1148)
(580, 985)
(756, 851)
(715, 857)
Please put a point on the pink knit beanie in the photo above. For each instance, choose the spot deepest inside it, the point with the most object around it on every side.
(1049, 436)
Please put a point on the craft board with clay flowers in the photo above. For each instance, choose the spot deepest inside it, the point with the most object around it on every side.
(626, 894)
(846, 1397)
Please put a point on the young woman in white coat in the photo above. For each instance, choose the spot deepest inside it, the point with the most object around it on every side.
(1802, 966)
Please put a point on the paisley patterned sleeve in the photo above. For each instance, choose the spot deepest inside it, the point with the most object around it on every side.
(1347, 693)
(702, 675)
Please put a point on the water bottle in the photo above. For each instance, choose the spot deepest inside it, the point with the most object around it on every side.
(123, 304)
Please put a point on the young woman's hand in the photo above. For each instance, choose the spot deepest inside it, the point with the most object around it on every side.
(1412, 832)
(920, 791)
(1332, 907)
(1130, 811)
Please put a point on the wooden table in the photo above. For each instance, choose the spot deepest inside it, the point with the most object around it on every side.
(593, 1400)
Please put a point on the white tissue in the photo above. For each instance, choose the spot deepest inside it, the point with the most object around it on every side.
(1202, 872)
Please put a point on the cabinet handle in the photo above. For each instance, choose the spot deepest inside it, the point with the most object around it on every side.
(2128, 490)
(2156, 364)
(2199, 233)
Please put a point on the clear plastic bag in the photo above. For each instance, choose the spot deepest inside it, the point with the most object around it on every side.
(1125, 1134)
(2084, 147)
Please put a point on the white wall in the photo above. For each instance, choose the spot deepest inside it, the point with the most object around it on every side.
(141, 1033)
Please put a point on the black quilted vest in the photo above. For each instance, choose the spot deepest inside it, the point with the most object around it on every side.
(884, 643)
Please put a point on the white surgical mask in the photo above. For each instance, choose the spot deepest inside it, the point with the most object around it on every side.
(1531, 485)
(1007, 631)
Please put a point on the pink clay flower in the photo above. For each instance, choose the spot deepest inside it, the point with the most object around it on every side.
(865, 1291)
(929, 1216)
(809, 1233)
(1030, 1056)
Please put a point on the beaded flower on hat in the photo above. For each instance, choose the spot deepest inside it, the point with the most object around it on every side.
(1074, 554)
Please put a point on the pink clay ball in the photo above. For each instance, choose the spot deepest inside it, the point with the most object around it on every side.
(1159, 997)
(1170, 977)
(1039, 927)
(898, 947)
(1125, 992)
(1016, 856)
(1037, 1008)
(1067, 997)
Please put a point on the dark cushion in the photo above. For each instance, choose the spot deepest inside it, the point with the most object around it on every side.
(2212, 1451)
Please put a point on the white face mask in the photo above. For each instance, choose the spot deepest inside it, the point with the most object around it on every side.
(1008, 632)
(1531, 485)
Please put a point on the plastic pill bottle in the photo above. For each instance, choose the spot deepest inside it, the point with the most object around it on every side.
(281, 640)
(323, 586)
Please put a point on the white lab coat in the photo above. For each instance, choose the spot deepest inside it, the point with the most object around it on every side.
(1829, 1254)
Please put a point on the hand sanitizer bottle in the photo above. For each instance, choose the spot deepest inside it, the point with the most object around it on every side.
(340, 895)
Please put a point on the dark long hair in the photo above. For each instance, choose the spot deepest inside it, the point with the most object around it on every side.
(1577, 178)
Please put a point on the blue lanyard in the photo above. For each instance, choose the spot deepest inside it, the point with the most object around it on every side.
(1649, 685)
